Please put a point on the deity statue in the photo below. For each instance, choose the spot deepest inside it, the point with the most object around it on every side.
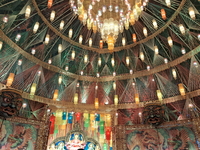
(76, 143)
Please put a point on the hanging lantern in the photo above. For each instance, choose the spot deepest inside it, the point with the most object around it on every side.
(36, 26)
(174, 73)
(113, 61)
(108, 135)
(123, 41)
(62, 23)
(105, 146)
(49, 61)
(159, 95)
(80, 39)
(181, 89)
(99, 61)
(33, 51)
(19, 62)
(59, 48)
(148, 68)
(101, 44)
(1, 45)
(96, 103)
(33, 89)
(49, 4)
(52, 120)
(5, 19)
(183, 50)
(60, 80)
(170, 42)
(163, 14)
(90, 42)
(137, 99)
(10, 79)
(18, 37)
(156, 50)
(131, 71)
(47, 38)
(114, 85)
(110, 43)
(145, 31)
(78, 116)
(142, 56)
(182, 29)
(165, 60)
(55, 95)
(85, 58)
(73, 54)
(94, 27)
(192, 13)
(134, 37)
(52, 15)
(168, 3)
(70, 33)
(64, 116)
(76, 98)
(101, 127)
(155, 25)
(27, 12)
(70, 118)
(89, 24)
(127, 60)
(116, 100)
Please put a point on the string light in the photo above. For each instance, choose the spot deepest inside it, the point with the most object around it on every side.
(52, 15)
(62, 23)
(27, 12)
(36, 26)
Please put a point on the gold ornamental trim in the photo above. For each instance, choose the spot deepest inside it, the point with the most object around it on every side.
(105, 50)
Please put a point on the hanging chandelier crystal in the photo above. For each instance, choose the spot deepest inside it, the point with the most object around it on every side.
(109, 17)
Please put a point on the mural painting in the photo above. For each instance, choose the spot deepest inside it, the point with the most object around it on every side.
(17, 136)
(174, 138)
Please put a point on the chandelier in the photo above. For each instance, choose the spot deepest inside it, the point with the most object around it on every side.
(109, 17)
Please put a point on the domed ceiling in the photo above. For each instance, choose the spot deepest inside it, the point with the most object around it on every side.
(159, 51)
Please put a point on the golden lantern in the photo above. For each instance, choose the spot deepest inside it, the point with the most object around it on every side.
(89, 24)
(113, 61)
(70, 33)
(145, 31)
(134, 37)
(127, 60)
(182, 29)
(137, 99)
(159, 95)
(85, 58)
(80, 39)
(123, 41)
(163, 14)
(90, 42)
(174, 73)
(27, 12)
(168, 3)
(10, 79)
(192, 13)
(142, 56)
(62, 23)
(47, 38)
(55, 95)
(181, 89)
(1, 45)
(36, 26)
(156, 50)
(170, 42)
(155, 25)
(76, 98)
(116, 100)
(60, 80)
(94, 27)
(101, 44)
(99, 61)
(52, 15)
(49, 4)
(96, 103)
(132, 18)
(73, 54)
(114, 85)
(110, 43)
(33, 89)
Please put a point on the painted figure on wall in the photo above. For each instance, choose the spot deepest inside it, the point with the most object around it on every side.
(176, 138)
(75, 142)
(17, 136)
